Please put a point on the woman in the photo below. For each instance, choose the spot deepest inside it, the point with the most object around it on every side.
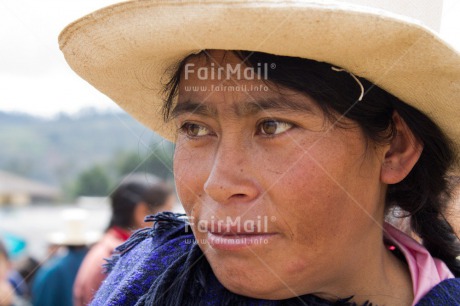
(287, 165)
(136, 197)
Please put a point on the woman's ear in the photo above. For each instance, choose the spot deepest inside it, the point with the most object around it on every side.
(402, 153)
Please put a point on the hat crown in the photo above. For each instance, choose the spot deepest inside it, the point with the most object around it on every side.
(74, 230)
(429, 12)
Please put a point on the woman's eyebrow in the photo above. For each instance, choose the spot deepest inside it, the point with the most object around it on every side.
(251, 108)
(243, 109)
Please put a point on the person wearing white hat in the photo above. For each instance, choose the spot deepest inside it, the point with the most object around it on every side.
(53, 282)
(299, 127)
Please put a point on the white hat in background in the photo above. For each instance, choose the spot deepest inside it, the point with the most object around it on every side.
(74, 232)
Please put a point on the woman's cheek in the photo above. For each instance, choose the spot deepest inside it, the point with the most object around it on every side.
(190, 176)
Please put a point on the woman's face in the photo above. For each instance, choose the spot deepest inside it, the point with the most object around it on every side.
(282, 202)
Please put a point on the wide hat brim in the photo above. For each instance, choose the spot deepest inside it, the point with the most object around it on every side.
(124, 50)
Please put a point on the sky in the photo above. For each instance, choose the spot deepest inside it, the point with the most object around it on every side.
(34, 77)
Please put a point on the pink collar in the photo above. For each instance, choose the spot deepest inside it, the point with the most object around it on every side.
(426, 271)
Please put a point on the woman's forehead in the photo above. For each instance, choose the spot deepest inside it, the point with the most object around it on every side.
(212, 79)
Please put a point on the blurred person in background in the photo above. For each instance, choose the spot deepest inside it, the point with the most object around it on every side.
(138, 195)
(6, 290)
(53, 283)
(8, 295)
(14, 249)
(26, 267)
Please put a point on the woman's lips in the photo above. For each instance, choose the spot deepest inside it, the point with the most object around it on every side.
(236, 241)
(235, 234)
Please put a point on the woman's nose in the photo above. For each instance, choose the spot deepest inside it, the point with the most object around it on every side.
(232, 177)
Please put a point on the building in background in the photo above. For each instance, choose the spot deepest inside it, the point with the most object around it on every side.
(16, 190)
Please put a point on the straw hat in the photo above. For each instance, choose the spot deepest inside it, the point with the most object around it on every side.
(123, 50)
(74, 233)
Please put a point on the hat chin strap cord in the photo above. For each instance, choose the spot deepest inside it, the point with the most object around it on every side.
(354, 77)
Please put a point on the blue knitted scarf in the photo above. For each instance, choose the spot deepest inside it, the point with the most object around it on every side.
(163, 265)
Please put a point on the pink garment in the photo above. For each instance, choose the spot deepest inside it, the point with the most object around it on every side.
(90, 275)
(426, 271)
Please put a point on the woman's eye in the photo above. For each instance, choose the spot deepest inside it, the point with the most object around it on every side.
(273, 127)
(194, 130)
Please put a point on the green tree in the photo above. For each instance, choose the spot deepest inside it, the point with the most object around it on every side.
(127, 162)
(156, 160)
(160, 160)
(93, 182)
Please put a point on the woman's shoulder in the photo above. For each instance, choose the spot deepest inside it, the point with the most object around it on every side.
(143, 257)
(446, 292)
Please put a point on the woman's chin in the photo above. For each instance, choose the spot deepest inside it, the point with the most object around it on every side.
(263, 292)
(253, 285)
(250, 290)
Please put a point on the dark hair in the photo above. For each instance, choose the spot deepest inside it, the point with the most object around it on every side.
(425, 192)
(133, 190)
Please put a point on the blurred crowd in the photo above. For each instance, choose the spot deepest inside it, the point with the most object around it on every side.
(72, 269)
